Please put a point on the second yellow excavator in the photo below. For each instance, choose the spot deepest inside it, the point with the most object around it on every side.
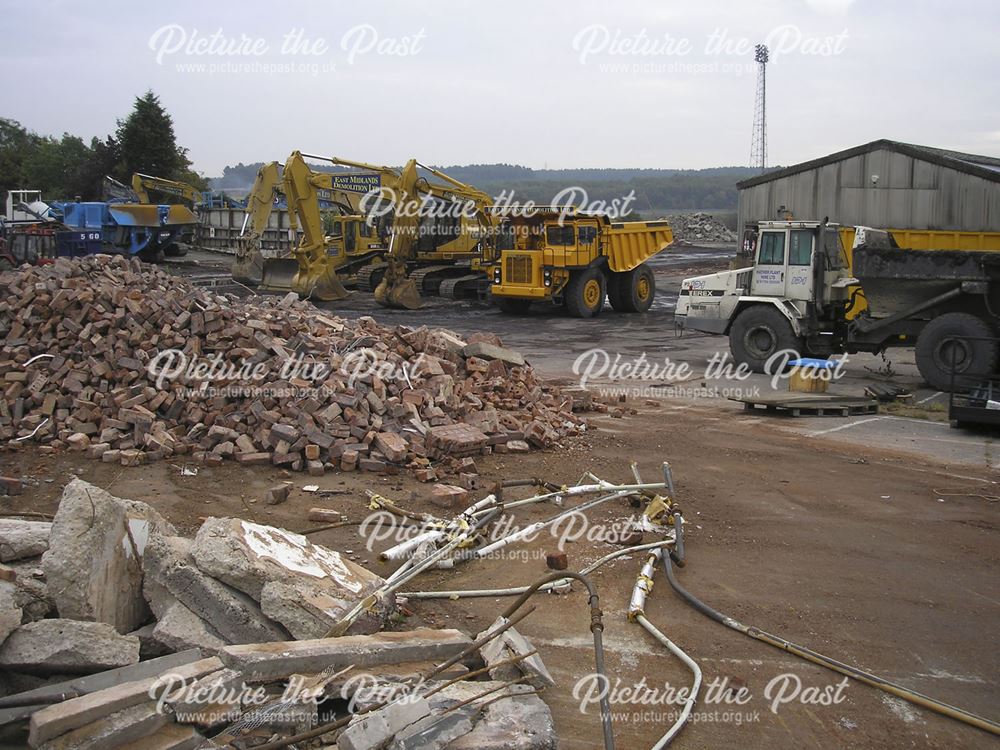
(451, 218)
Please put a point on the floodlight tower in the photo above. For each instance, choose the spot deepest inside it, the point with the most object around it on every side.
(758, 143)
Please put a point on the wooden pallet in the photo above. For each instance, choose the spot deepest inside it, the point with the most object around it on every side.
(816, 406)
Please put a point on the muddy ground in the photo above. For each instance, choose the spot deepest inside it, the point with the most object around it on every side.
(880, 552)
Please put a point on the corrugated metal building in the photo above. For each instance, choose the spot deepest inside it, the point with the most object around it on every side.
(884, 184)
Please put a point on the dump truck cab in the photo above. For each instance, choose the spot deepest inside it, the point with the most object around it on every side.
(575, 259)
(783, 276)
(801, 297)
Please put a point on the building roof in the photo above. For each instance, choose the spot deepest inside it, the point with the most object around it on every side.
(987, 167)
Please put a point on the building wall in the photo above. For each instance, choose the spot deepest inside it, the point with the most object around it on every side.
(909, 194)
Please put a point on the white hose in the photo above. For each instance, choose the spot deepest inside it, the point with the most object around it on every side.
(643, 586)
(517, 590)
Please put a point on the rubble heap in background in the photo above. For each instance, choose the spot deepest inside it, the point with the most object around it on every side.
(115, 632)
(697, 228)
(100, 320)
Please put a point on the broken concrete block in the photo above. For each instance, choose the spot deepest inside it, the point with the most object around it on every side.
(277, 494)
(377, 727)
(128, 725)
(435, 732)
(507, 645)
(67, 647)
(180, 629)
(57, 719)
(248, 555)
(10, 613)
(22, 539)
(310, 612)
(487, 351)
(276, 661)
(169, 566)
(517, 722)
(94, 562)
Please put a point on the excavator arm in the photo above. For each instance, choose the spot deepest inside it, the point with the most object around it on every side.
(248, 267)
(143, 183)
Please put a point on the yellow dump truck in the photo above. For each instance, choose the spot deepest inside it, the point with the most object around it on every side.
(575, 259)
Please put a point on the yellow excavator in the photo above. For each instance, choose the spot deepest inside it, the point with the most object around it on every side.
(143, 183)
(331, 246)
(248, 268)
(450, 219)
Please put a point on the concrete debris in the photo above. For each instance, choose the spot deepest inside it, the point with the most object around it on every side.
(93, 566)
(276, 661)
(180, 629)
(21, 539)
(248, 556)
(67, 647)
(128, 725)
(211, 700)
(434, 732)
(508, 644)
(170, 567)
(369, 410)
(59, 718)
(521, 721)
(376, 728)
(10, 612)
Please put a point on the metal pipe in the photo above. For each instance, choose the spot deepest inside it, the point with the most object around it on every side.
(596, 628)
(472, 593)
(538, 526)
(636, 613)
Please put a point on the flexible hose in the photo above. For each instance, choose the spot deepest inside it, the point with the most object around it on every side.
(695, 669)
(471, 593)
(825, 661)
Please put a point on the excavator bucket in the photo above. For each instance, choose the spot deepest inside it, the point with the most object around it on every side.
(402, 294)
(249, 268)
(285, 275)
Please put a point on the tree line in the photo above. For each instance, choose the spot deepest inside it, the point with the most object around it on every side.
(655, 189)
(68, 167)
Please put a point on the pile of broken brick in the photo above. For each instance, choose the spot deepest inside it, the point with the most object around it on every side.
(116, 632)
(102, 354)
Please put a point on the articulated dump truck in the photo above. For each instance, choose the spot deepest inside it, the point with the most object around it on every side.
(801, 294)
(575, 259)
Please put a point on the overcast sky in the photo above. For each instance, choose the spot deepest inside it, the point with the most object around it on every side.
(544, 84)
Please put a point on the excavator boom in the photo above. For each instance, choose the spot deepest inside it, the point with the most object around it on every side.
(248, 268)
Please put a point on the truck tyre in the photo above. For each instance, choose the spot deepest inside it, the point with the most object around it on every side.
(632, 291)
(512, 305)
(616, 282)
(585, 293)
(936, 346)
(757, 333)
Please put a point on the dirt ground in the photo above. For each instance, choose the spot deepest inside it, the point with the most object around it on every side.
(884, 558)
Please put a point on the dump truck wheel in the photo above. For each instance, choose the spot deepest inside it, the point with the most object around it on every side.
(585, 293)
(937, 348)
(758, 333)
(617, 282)
(636, 290)
(512, 305)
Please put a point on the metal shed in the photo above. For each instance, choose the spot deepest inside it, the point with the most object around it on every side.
(885, 184)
